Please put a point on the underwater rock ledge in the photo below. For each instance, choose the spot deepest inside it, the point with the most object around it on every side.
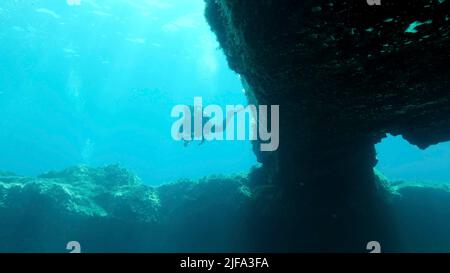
(109, 209)
(344, 74)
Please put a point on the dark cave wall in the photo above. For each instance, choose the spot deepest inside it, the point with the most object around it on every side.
(344, 74)
(340, 70)
(343, 69)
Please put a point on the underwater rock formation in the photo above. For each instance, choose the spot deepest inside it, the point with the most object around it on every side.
(110, 210)
(344, 73)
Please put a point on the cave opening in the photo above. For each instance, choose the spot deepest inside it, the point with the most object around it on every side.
(400, 161)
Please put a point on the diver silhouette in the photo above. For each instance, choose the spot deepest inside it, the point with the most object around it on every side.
(198, 110)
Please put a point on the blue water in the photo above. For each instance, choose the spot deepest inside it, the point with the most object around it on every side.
(399, 160)
(93, 82)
